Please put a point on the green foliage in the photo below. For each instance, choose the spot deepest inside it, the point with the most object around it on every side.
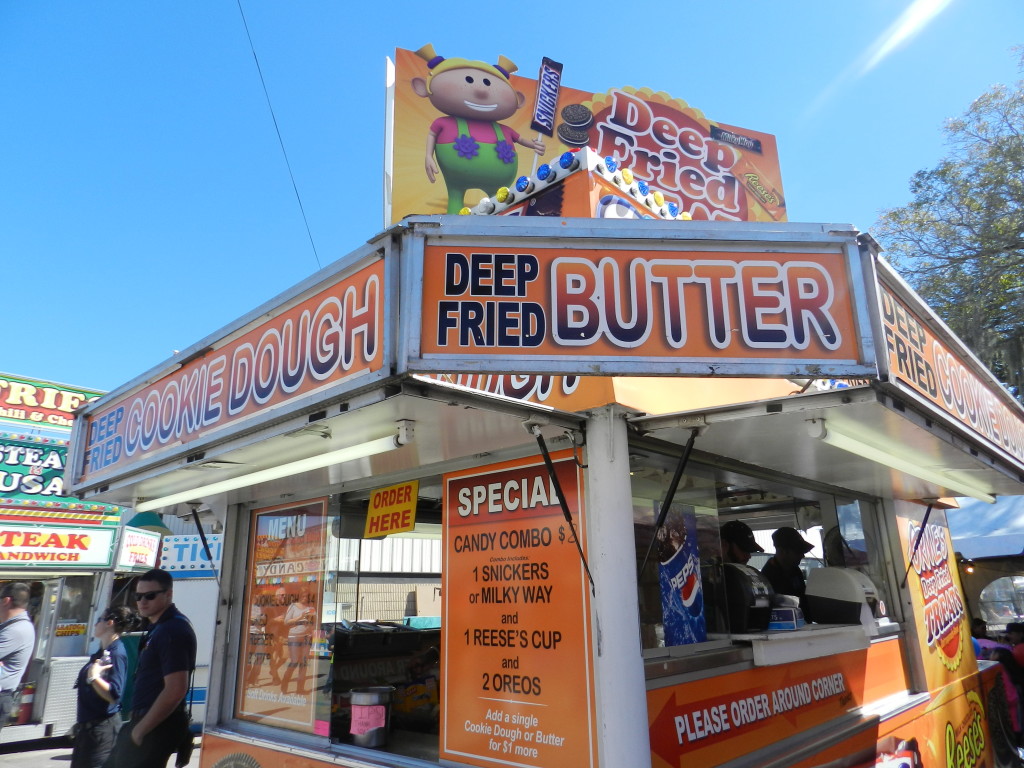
(960, 242)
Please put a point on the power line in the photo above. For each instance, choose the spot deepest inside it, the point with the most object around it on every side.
(280, 140)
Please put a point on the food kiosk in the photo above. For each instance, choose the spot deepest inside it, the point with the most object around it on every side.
(471, 476)
(69, 552)
(327, 419)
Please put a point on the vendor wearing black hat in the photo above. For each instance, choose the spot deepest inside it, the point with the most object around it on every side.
(738, 542)
(783, 569)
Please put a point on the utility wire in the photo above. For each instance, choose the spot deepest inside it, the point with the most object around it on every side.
(280, 140)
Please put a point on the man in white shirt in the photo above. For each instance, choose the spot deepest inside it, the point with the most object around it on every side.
(17, 638)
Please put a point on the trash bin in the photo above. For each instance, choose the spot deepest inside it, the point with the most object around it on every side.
(371, 715)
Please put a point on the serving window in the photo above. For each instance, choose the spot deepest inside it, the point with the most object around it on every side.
(382, 625)
(684, 598)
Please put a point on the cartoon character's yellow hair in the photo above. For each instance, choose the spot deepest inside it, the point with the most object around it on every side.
(438, 64)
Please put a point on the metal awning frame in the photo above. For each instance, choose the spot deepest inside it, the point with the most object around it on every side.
(777, 435)
(491, 425)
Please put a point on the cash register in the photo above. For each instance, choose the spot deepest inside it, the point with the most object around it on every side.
(749, 596)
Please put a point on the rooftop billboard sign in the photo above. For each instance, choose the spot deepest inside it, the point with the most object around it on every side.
(483, 126)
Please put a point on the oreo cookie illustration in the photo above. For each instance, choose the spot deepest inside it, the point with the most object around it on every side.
(573, 137)
(577, 116)
(576, 119)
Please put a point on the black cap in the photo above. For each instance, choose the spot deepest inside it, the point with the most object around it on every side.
(739, 533)
(790, 538)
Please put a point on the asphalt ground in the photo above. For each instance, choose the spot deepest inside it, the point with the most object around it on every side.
(53, 753)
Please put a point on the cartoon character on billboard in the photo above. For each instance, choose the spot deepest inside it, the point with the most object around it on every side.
(468, 146)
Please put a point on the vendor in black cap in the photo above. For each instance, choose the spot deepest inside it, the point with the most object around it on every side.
(783, 569)
(738, 542)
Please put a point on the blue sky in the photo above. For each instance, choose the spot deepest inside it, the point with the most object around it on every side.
(145, 201)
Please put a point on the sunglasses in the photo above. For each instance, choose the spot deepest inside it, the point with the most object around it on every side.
(148, 595)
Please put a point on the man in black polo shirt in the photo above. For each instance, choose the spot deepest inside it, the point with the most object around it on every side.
(783, 569)
(167, 656)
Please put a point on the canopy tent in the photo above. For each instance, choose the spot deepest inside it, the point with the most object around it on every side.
(988, 530)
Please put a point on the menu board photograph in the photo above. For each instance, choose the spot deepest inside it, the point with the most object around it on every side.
(279, 662)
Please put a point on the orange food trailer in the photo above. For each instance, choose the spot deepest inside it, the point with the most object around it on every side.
(473, 475)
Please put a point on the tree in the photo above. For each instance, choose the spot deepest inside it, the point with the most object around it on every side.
(960, 242)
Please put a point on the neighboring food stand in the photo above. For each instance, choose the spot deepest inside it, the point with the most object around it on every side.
(472, 477)
(69, 552)
(989, 543)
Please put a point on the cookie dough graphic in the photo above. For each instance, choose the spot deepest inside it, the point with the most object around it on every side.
(616, 207)
(237, 760)
(576, 120)
(468, 146)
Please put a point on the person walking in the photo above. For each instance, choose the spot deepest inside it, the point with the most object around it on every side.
(100, 685)
(167, 656)
(17, 638)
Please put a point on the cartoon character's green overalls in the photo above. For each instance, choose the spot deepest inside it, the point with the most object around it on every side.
(464, 167)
